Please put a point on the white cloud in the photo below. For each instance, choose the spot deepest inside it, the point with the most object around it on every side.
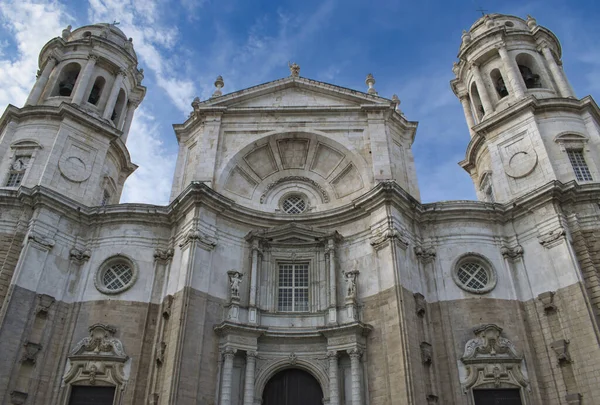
(31, 24)
(151, 182)
(153, 40)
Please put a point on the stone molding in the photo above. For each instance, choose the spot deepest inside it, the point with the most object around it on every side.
(163, 255)
(203, 240)
(491, 359)
(512, 253)
(552, 238)
(383, 237)
(80, 256)
(425, 253)
(40, 241)
(324, 194)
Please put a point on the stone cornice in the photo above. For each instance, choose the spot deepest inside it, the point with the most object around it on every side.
(529, 104)
(66, 110)
(384, 193)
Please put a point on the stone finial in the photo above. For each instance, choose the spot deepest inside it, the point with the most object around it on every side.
(531, 22)
(219, 83)
(370, 81)
(196, 103)
(466, 37)
(66, 33)
(294, 69)
(396, 101)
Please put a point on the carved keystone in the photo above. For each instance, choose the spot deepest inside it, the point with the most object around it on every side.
(574, 399)
(426, 353)
(18, 397)
(420, 304)
(561, 348)
(547, 299)
(30, 352)
(44, 303)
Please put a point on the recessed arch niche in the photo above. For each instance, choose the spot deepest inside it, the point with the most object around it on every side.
(325, 171)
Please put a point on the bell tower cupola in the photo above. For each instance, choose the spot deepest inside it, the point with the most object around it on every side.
(526, 125)
(70, 135)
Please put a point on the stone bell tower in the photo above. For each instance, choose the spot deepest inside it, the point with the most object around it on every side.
(70, 135)
(527, 127)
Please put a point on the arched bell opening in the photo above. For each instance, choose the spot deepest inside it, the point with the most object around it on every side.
(499, 84)
(96, 91)
(66, 80)
(292, 386)
(529, 71)
(477, 107)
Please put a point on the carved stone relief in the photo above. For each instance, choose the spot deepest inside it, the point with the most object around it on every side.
(492, 360)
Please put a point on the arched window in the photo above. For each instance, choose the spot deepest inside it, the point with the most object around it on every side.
(528, 68)
(66, 80)
(96, 91)
(498, 82)
(476, 100)
(119, 107)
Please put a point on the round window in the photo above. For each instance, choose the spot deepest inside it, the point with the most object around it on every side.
(474, 274)
(117, 274)
(294, 204)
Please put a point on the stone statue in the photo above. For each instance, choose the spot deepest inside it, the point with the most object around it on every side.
(66, 33)
(235, 279)
(350, 277)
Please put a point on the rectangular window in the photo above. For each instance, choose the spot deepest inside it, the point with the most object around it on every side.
(582, 172)
(17, 171)
(97, 395)
(497, 397)
(293, 287)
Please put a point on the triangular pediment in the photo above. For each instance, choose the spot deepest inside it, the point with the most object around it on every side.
(293, 233)
(294, 92)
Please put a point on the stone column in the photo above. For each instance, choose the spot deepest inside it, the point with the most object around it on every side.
(355, 355)
(332, 282)
(131, 107)
(466, 104)
(40, 84)
(249, 383)
(252, 314)
(334, 386)
(515, 81)
(558, 75)
(114, 93)
(482, 90)
(84, 80)
(226, 381)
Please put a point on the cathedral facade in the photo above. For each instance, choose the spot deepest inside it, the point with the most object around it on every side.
(295, 263)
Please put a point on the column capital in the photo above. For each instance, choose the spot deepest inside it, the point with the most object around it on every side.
(252, 354)
(228, 353)
(93, 57)
(332, 354)
(354, 353)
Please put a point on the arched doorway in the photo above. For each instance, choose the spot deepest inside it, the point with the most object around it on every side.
(292, 387)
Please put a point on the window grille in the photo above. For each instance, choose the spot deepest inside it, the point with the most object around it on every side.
(17, 171)
(117, 276)
(293, 287)
(294, 204)
(580, 167)
(473, 276)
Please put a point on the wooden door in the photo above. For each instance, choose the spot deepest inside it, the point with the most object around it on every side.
(86, 395)
(293, 387)
(497, 397)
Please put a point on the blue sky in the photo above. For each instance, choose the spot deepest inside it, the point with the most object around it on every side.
(409, 46)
